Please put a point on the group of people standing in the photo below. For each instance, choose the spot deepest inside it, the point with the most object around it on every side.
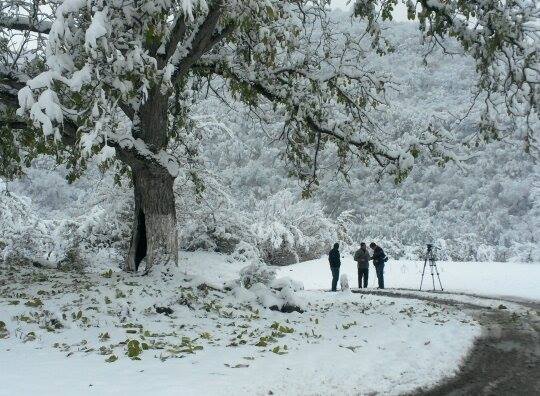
(362, 257)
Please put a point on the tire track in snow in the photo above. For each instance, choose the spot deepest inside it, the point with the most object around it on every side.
(505, 359)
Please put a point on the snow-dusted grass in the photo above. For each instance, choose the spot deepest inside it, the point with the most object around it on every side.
(491, 279)
(61, 328)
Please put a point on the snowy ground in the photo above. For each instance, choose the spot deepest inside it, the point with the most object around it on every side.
(491, 279)
(61, 329)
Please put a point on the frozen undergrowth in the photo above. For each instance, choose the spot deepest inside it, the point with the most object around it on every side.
(134, 313)
(97, 326)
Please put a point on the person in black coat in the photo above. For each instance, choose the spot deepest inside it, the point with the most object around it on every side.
(362, 260)
(379, 258)
(335, 263)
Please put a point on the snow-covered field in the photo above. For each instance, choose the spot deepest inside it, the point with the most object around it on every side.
(492, 279)
(72, 333)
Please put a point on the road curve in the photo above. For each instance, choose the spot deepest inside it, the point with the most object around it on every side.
(505, 359)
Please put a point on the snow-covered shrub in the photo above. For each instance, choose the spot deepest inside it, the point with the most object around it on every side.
(287, 283)
(258, 285)
(21, 233)
(290, 298)
(288, 230)
(245, 251)
(211, 220)
(45, 219)
(285, 298)
(280, 229)
(26, 236)
(257, 273)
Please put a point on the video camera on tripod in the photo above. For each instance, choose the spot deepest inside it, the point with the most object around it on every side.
(430, 258)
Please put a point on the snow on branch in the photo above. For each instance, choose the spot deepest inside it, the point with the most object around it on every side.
(503, 38)
(131, 73)
(335, 111)
(204, 38)
(24, 23)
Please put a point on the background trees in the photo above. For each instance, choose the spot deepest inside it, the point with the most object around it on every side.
(120, 80)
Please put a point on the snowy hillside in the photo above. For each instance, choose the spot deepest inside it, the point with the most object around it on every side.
(486, 208)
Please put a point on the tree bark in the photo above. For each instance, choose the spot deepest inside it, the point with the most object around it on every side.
(154, 235)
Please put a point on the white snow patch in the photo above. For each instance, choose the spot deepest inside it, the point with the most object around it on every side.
(484, 278)
(336, 346)
(97, 29)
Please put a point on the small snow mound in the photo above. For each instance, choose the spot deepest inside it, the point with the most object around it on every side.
(266, 296)
(257, 284)
(292, 299)
(344, 282)
(284, 300)
(286, 282)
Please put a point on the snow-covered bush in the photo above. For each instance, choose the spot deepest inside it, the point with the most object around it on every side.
(21, 233)
(288, 230)
(285, 300)
(280, 229)
(258, 284)
(287, 283)
(45, 219)
(211, 220)
(256, 273)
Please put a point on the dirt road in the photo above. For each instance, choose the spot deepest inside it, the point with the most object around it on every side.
(505, 360)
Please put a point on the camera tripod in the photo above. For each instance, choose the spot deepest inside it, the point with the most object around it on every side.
(430, 258)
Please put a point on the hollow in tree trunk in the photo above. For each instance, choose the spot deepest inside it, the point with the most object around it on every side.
(154, 235)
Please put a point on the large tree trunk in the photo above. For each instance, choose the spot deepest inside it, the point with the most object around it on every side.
(154, 235)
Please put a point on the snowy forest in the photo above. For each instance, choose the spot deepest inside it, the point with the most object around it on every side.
(269, 197)
(238, 191)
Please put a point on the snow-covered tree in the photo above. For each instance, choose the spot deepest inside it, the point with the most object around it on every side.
(503, 37)
(118, 80)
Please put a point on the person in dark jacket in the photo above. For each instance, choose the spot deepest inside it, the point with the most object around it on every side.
(362, 262)
(379, 258)
(335, 263)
